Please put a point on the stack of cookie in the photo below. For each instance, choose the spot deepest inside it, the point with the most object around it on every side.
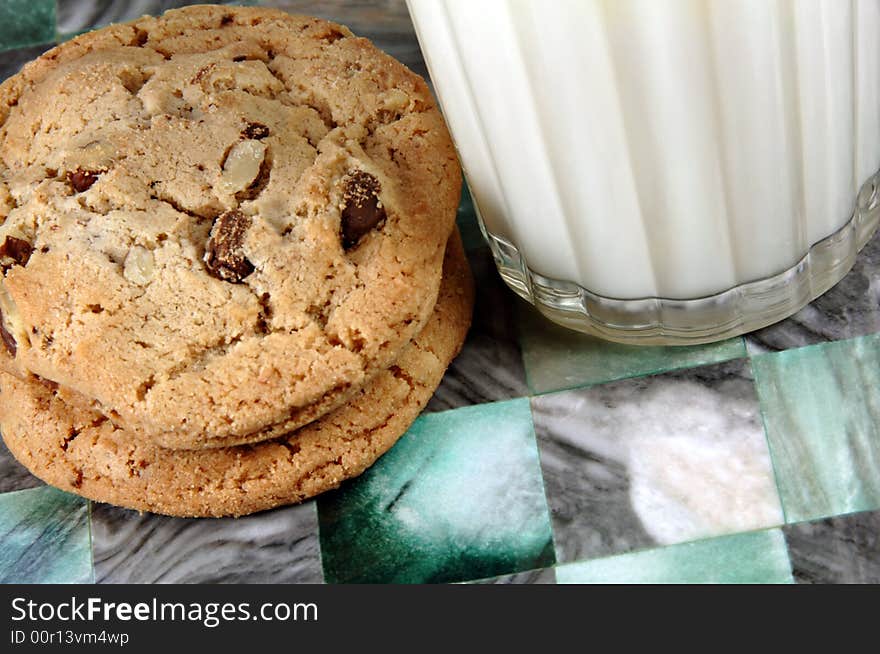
(230, 273)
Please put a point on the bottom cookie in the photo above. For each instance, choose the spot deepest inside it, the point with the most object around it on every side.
(79, 450)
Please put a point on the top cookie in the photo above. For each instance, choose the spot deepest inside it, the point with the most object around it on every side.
(219, 217)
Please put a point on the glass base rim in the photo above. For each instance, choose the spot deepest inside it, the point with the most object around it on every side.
(663, 321)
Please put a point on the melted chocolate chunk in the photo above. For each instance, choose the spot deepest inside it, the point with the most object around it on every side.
(223, 252)
(8, 340)
(255, 131)
(362, 209)
(16, 249)
(82, 180)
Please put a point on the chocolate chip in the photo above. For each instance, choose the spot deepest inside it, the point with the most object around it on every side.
(8, 340)
(223, 252)
(362, 210)
(255, 131)
(16, 249)
(82, 180)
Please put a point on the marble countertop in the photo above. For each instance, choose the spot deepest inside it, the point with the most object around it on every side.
(545, 456)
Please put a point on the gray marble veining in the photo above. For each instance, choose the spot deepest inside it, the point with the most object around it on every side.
(385, 22)
(840, 550)
(587, 487)
(279, 546)
(849, 309)
(540, 576)
(44, 537)
(655, 461)
(489, 367)
(74, 16)
(13, 475)
(11, 61)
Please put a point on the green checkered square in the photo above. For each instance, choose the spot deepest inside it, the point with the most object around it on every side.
(459, 497)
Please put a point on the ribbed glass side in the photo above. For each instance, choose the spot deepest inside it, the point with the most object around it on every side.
(660, 321)
(694, 153)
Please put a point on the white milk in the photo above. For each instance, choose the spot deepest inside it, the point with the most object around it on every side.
(659, 148)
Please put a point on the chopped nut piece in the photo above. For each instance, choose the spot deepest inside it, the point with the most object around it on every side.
(242, 165)
(396, 99)
(138, 266)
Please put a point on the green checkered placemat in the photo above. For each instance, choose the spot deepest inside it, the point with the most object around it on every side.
(545, 456)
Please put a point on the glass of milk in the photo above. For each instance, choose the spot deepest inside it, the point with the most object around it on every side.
(664, 171)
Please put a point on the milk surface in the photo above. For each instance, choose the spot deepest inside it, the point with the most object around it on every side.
(659, 148)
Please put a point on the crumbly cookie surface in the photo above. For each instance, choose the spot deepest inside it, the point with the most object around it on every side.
(217, 219)
(54, 433)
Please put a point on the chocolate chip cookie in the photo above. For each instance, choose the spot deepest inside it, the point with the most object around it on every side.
(219, 223)
(57, 436)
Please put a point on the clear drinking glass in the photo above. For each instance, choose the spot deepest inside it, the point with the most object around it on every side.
(664, 171)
